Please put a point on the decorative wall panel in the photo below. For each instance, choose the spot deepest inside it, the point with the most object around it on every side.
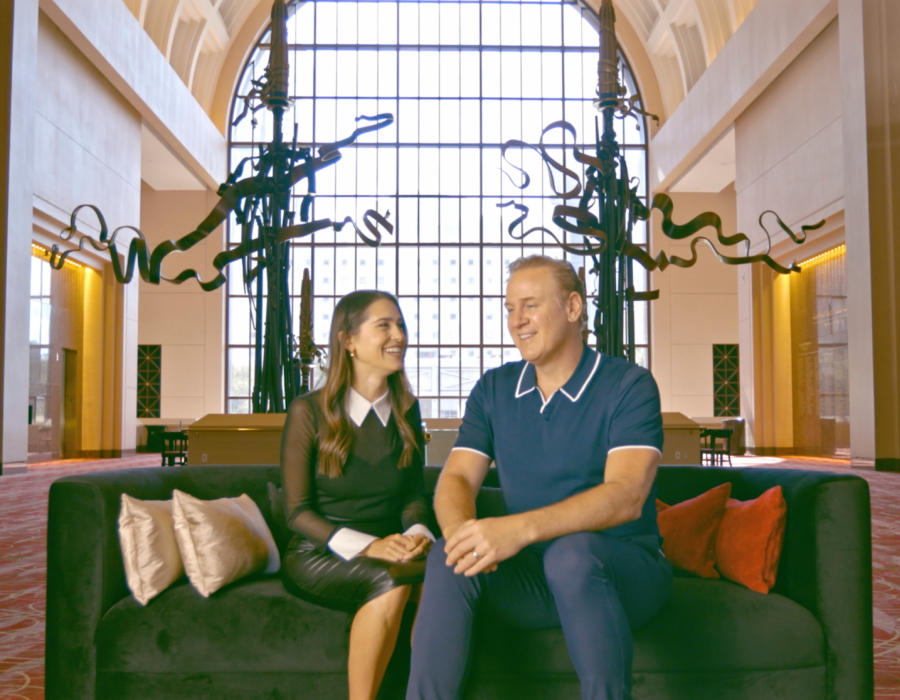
(726, 380)
(149, 373)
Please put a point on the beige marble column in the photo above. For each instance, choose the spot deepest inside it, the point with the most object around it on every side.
(870, 77)
(18, 51)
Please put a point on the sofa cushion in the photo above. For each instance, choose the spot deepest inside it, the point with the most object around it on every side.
(258, 626)
(706, 626)
(252, 625)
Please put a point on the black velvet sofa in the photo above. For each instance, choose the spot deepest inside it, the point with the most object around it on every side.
(810, 638)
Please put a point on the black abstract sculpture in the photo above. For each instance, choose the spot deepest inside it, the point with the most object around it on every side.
(263, 206)
(605, 210)
(608, 207)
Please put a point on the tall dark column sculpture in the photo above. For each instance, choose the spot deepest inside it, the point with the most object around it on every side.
(608, 207)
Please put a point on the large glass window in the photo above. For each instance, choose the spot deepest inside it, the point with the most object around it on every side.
(461, 79)
(39, 345)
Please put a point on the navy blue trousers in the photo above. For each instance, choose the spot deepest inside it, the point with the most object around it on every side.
(597, 587)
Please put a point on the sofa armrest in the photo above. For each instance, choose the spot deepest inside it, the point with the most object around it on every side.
(828, 549)
(85, 575)
(826, 561)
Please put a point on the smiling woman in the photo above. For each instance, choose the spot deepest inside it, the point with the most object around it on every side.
(462, 78)
(352, 457)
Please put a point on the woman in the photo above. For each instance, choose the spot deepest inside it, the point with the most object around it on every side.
(351, 459)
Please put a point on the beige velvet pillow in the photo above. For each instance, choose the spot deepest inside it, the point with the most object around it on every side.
(222, 540)
(149, 550)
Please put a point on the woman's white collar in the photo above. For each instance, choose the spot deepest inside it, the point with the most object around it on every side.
(358, 407)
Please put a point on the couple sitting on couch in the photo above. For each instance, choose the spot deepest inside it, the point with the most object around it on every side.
(576, 437)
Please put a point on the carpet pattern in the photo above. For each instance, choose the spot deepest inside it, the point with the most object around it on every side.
(23, 558)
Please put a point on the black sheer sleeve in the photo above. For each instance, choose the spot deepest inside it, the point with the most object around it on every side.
(299, 447)
(415, 509)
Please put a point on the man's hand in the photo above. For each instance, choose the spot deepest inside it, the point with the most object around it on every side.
(390, 548)
(417, 547)
(478, 546)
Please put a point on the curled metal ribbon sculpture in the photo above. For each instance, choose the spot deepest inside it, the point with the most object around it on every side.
(262, 205)
(608, 189)
(244, 197)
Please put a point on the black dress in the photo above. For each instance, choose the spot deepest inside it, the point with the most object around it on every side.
(371, 496)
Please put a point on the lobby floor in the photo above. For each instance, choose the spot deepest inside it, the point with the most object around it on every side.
(23, 530)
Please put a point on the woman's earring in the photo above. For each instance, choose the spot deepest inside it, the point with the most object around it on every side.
(352, 354)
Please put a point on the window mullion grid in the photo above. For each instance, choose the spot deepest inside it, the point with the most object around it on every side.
(481, 178)
(441, 242)
(314, 134)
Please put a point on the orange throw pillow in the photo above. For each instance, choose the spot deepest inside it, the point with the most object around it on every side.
(689, 530)
(748, 546)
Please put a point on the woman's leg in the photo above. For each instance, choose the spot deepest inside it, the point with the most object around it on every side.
(373, 636)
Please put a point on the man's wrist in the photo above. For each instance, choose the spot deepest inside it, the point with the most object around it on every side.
(527, 527)
(448, 530)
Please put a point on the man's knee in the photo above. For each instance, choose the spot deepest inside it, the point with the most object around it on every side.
(439, 575)
(572, 560)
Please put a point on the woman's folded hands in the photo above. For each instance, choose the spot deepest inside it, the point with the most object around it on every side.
(399, 548)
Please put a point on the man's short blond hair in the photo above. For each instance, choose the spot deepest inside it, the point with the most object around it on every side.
(567, 280)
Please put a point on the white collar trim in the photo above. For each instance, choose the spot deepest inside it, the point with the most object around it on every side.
(519, 392)
(573, 399)
(586, 382)
(358, 407)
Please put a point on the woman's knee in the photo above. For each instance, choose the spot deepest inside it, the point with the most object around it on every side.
(391, 602)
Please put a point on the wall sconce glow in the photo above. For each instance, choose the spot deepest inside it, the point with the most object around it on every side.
(47, 253)
(838, 250)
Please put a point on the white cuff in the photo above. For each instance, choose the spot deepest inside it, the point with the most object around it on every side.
(347, 543)
(419, 529)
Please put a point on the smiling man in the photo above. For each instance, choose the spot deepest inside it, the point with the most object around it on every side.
(576, 437)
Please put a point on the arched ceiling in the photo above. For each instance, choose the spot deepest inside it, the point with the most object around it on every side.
(195, 36)
(682, 37)
(206, 41)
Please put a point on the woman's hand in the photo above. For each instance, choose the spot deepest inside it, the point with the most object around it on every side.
(417, 548)
(391, 548)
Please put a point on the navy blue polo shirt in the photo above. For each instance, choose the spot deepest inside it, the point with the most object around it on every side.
(548, 451)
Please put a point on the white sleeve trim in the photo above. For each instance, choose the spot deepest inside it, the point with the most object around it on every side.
(635, 447)
(348, 543)
(472, 449)
(419, 529)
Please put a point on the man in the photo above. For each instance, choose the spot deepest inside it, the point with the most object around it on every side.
(576, 438)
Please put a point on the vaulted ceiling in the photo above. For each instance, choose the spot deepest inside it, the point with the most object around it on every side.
(200, 38)
(196, 36)
(682, 37)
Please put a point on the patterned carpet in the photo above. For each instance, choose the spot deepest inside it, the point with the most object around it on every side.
(23, 526)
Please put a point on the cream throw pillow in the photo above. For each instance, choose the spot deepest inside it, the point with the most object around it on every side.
(149, 550)
(222, 540)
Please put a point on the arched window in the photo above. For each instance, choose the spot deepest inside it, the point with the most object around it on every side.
(461, 78)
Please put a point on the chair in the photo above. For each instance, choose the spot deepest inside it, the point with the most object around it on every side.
(174, 451)
(738, 425)
(712, 455)
(154, 438)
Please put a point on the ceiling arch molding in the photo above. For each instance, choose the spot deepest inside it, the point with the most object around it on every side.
(683, 37)
(669, 43)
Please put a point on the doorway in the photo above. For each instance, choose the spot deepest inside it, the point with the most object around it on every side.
(821, 390)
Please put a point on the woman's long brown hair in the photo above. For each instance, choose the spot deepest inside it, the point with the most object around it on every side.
(336, 436)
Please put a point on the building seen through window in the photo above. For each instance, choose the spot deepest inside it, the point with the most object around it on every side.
(461, 78)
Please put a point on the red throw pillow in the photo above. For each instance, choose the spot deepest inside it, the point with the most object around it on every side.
(689, 530)
(748, 546)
